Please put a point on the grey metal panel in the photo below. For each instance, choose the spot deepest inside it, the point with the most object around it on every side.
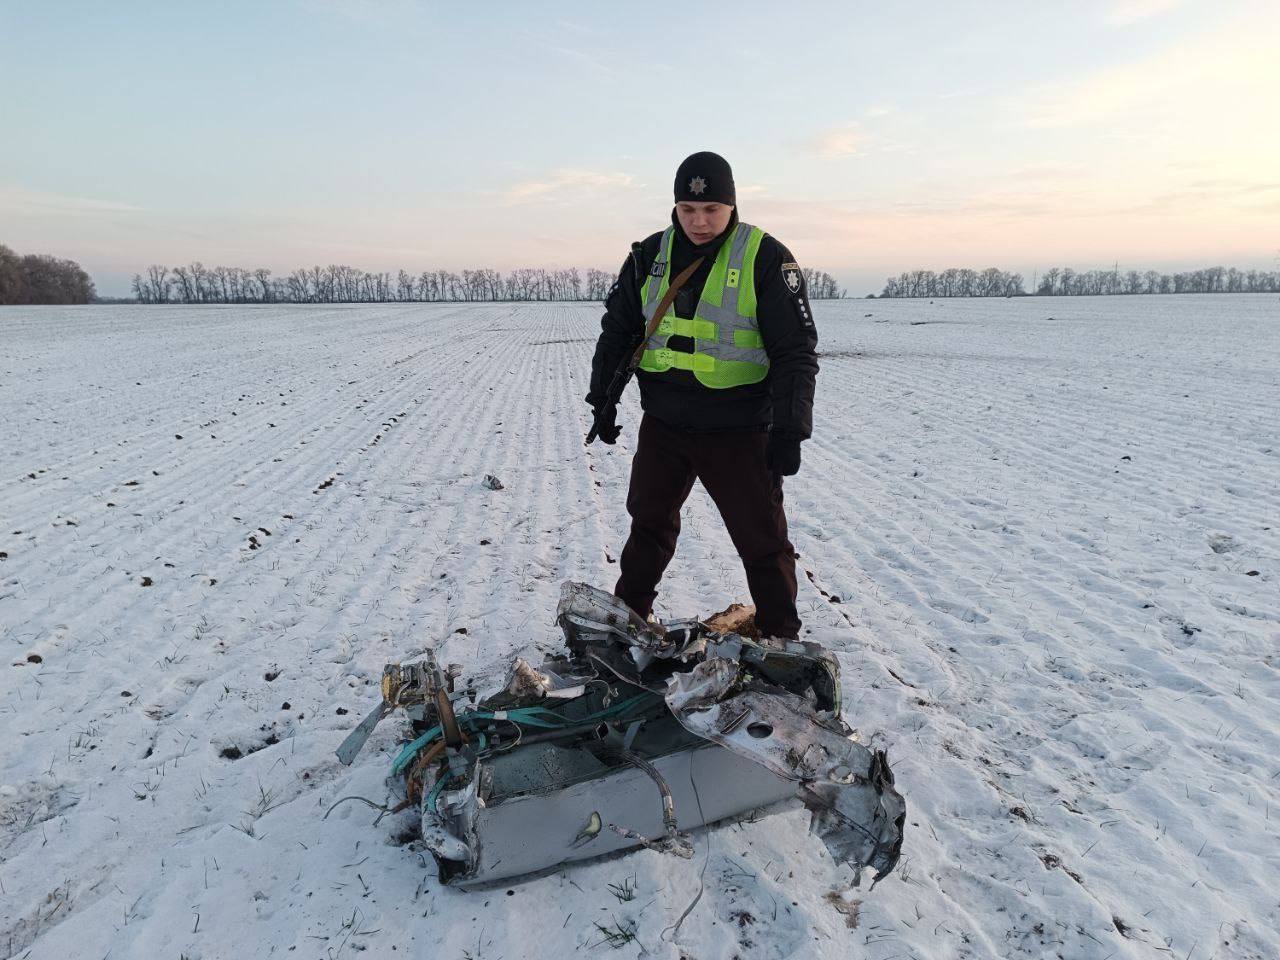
(537, 831)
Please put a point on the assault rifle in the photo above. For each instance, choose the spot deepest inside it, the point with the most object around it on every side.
(608, 410)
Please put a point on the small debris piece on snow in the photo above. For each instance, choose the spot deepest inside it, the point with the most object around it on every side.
(739, 618)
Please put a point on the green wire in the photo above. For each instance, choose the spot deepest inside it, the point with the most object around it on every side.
(435, 792)
(529, 716)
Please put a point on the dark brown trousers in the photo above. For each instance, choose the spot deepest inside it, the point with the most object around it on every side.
(732, 468)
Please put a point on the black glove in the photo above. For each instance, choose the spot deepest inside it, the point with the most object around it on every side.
(608, 429)
(782, 454)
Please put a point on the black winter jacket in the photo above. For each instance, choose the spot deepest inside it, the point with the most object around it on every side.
(782, 401)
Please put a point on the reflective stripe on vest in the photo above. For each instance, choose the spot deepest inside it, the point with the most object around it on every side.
(728, 349)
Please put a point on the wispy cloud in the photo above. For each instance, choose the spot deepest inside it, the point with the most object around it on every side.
(24, 200)
(569, 183)
(576, 44)
(991, 205)
(1238, 196)
(846, 140)
(1126, 12)
(1105, 95)
(583, 58)
(1051, 172)
(1197, 80)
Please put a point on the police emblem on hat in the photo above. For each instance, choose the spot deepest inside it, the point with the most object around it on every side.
(791, 274)
(697, 186)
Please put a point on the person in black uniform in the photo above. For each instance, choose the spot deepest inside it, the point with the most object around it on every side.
(739, 441)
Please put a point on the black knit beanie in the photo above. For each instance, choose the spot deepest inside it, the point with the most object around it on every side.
(705, 177)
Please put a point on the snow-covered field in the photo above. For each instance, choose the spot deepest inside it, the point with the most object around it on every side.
(1043, 536)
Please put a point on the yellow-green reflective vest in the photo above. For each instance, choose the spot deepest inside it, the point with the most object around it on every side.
(728, 350)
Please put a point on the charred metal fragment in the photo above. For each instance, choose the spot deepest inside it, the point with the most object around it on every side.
(525, 779)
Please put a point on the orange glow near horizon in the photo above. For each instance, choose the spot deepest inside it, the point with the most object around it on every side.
(1137, 131)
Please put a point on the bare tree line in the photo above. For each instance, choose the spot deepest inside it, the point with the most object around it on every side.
(821, 285)
(955, 282)
(40, 279)
(338, 283)
(1066, 282)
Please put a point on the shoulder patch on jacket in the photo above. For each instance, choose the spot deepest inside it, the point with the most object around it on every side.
(792, 276)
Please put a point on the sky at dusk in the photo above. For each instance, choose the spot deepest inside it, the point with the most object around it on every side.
(869, 137)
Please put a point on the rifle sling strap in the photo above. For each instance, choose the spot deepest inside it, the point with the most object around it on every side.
(663, 305)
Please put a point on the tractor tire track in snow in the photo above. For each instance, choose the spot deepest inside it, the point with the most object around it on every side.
(1044, 550)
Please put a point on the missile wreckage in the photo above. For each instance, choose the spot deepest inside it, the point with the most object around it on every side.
(639, 733)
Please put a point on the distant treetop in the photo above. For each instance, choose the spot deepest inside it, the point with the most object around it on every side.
(41, 279)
